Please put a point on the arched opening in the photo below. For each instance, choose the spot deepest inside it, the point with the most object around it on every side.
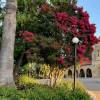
(69, 73)
(82, 73)
(88, 73)
(98, 52)
(76, 73)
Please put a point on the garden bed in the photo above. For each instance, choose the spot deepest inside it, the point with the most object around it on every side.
(43, 92)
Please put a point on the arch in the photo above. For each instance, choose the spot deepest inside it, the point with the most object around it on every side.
(82, 73)
(89, 73)
(69, 73)
(76, 73)
(98, 52)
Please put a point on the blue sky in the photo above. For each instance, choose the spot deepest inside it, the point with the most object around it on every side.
(93, 8)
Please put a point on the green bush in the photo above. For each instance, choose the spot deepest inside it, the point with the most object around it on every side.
(26, 68)
(78, 95)
(24, 82)
(68, 84)
(41, 92)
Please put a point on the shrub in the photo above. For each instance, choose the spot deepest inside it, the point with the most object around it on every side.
(25, 81)
(78, 95)
(68, 84)
(29, 67)
(44, 70)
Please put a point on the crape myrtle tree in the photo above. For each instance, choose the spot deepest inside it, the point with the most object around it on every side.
(45, 32)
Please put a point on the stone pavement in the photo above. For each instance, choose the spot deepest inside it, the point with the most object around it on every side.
(93, 85)
(97, 95)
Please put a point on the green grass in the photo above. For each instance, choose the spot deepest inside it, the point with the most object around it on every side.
(30, 89)
(41, 92)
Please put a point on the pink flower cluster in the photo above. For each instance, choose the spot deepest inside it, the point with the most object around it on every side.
(92, 28)
(61, 20)
(74, 24)
(85, 15)
(93, 39)
(73, 20)
(85, 60)
(61, 17)
(78, 25)
(81, 49)
(27, 36)
(61, 60)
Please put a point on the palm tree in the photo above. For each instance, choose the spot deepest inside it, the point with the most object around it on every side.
(7, 44)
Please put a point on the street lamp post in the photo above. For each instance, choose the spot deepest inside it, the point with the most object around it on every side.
(75, 40)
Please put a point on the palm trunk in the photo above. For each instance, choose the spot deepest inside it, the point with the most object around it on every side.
(7, 45)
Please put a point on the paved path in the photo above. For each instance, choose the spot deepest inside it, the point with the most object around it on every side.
(97, 94)
(93, 85)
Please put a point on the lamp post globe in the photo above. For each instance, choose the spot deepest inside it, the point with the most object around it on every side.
(75, 40)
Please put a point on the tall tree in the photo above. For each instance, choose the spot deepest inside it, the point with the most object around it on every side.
(53, 28)
(7, 45)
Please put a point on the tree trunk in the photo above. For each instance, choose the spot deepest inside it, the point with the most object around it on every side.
(56, 76)
(7, 45)
(17, 66)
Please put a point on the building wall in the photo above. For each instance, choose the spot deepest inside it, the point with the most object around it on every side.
(93, 69)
